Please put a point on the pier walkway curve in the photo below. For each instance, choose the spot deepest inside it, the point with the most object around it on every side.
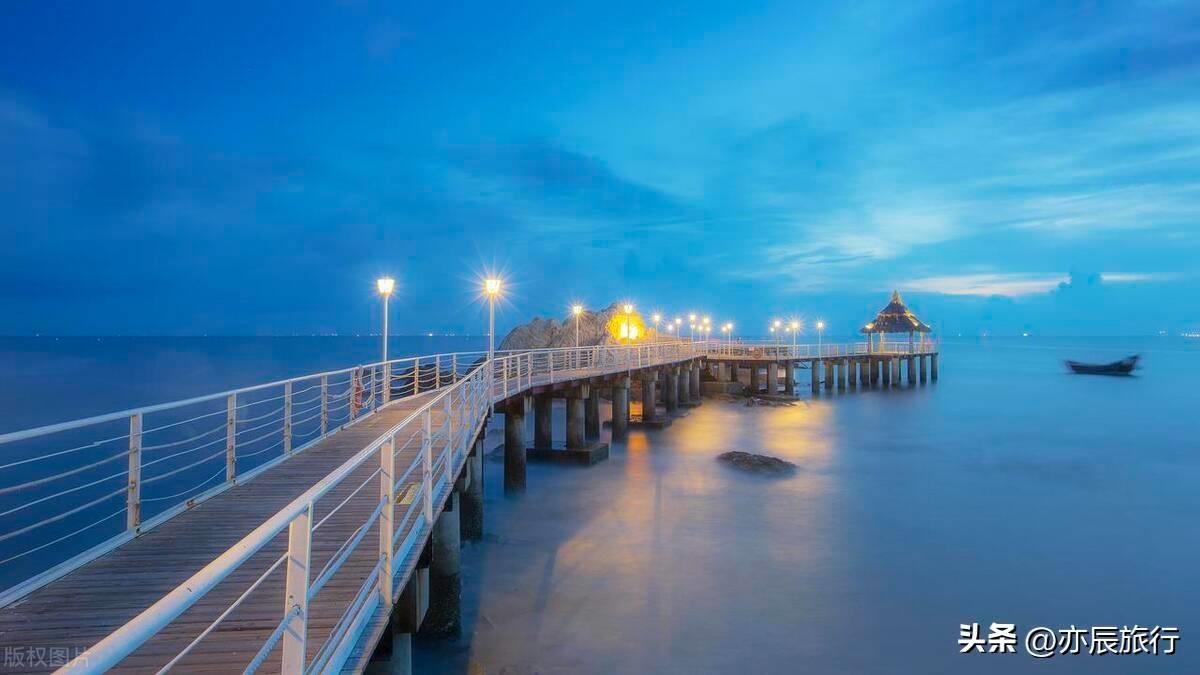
(290, 526)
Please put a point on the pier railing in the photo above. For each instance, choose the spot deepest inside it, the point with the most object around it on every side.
(418, 458)
(73, 491)
(777, 350)
(412, 466)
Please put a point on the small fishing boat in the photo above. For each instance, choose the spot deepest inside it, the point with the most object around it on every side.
(1122, 367)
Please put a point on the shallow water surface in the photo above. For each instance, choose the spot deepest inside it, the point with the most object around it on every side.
(1007, 492)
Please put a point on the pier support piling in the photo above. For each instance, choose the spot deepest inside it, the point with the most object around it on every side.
(695, 382)
(755, 378)
(789, 378)
(844, 374)
(685, 385)
(620, 408)
(912, 371)
(471, 522)
(592, 414)
(924, 371)
(830, 373)
(671, 391)
(933, 367)
(772, 378)
(815, 371)
(895, 371)
(514, 444)
(444, 618)
(649, 406)
(543, 421)
(576, 424)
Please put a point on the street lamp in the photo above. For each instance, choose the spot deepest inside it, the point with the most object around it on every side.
(820, 328)
(577, 310)
(628, 308)
(775, 326)
(385, 285)
(656, 317)
(491, 288)
(692, 327)
(795, 329)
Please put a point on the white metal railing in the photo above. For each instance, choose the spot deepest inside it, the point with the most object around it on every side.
(778, 350)
(75, 490)
(435, 439)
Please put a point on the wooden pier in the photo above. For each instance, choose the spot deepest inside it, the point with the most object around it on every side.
(334, 514)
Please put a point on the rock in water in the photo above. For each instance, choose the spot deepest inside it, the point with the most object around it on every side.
(763, 465)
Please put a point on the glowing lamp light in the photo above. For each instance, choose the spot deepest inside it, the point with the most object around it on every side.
(692, 318)
(656, 318)
(577, 310)
(777, 323)
(795, 325)
(820, 325)
(385, 285)
(491, 286)
(628, 308)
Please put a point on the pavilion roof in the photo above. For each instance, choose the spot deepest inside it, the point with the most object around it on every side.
(896, 318)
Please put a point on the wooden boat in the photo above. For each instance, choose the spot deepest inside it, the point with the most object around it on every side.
(1122, 367)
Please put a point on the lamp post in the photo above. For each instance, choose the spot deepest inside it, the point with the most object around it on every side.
(820, 329)
(705, 326)
(692, 327)
(577, 310)
(678, 328)
(775, 328)
(628, 322)
(656, 318)
(795, 330)
(491, 288)
(385, 285)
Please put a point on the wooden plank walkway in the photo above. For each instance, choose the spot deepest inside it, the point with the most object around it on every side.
(86, 605)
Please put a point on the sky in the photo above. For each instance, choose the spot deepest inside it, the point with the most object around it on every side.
(251, 168)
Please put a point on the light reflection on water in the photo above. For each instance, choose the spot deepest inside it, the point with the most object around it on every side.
(1009, 492)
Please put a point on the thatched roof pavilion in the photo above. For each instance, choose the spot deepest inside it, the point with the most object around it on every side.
(896, 318)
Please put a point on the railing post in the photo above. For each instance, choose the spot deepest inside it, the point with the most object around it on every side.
(387, 494)
(231, 437)
(355, 382)
(324, 404)
(454, 368)
(437, 372)
(133, 498)
(387, 382)
(447, 401)
(287, 418)
(427, 467)
(550, 358)
(416, 375)
(295, 604)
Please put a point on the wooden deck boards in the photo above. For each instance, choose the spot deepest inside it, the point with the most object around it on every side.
(81, 608)
(86, 605)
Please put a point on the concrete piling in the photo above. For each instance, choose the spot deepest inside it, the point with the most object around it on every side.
(814, 371)
(444, 618)
(772, 378)
(789, 378)
(844, 374)
(933, 367)
(543, 421)
(685, 386)
(471, 516)
(830, 373)
(695, 382)
(591, 414)
(620, 408)
(514, 445)
(895, 371)
(912, 371)
(755, 378)
(649, 407)
(576, 425)
(671, 390)
(922, 358)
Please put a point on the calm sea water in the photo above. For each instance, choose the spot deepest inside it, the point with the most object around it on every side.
(1009, 491)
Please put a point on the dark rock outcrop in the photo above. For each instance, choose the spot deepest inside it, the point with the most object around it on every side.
(762, 465)
(549, 333)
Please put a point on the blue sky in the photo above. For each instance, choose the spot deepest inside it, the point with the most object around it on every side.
(250, 168)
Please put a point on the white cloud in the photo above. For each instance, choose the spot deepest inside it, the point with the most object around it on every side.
(1010, 284)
